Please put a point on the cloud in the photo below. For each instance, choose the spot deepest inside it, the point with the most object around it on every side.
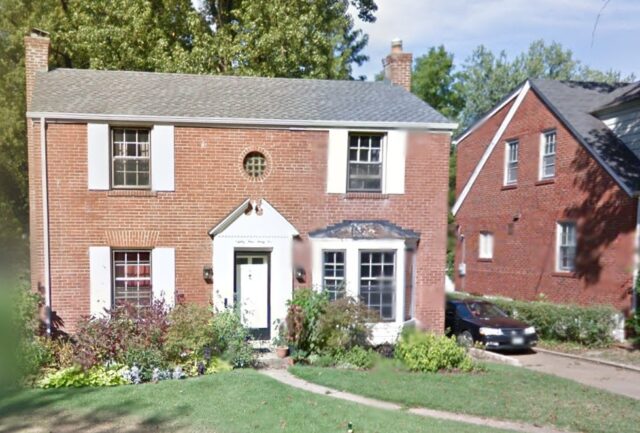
(511, 25)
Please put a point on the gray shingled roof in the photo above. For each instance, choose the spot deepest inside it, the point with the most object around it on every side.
(225, 97)
(365, 229)
(574, 103)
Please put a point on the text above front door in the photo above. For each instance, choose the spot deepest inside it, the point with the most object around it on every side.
(252, 292)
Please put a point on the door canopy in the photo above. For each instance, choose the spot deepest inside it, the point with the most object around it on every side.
(254, 219)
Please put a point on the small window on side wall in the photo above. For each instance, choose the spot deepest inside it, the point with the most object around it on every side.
(511, 163)
(485, 246)
(548, 155)
(365, 163)
(566, 246)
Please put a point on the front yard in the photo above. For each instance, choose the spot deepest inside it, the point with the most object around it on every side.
(235, 402)
(502, 392)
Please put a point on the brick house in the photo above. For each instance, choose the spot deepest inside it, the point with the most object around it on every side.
(547, 187)
(235, 191)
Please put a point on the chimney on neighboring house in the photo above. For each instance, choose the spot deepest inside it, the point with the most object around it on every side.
(397, 65)
(36, 48)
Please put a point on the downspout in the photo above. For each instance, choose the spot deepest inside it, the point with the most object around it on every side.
(45, 223)
(636, 257)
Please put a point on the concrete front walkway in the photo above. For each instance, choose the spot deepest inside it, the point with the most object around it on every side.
(612, 379)
(287, 378)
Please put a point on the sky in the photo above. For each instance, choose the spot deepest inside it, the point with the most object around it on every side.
(510, 25)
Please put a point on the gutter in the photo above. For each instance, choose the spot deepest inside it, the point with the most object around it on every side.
(45, 223)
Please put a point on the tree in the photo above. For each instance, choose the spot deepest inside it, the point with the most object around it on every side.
(289, 38)
(486, 78)
(434, 82)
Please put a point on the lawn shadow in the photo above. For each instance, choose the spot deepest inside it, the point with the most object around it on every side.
(45, 411)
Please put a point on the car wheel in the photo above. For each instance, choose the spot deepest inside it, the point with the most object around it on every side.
(465, 339)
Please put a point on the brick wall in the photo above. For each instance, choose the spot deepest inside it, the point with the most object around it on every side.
(209, 184)
(470, 150)
(523, 264)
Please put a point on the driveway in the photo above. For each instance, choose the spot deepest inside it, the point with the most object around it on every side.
(616, 380)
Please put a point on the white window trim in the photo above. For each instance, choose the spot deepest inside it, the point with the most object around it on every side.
(507, 144)
(112, 158)
(383, 161)
(352, 248)
(543, 145)
(559, 224)
(485, 245)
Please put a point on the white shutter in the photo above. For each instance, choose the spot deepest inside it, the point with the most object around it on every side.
(162, 158)
(396, 153)
(99, 280)
(163, 275)
(337, 160)
(98, 156)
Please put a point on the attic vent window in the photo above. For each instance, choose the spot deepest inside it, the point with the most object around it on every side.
(255, 164)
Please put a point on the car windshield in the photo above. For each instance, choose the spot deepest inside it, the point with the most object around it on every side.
(485, 310)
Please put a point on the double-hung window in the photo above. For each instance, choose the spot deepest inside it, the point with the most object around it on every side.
(548, 160)
(130, 162)
(511, 163)
(485, 250)
(566, 246)
(365, 163)
(333, 271)
(132, 278)
(377, 282)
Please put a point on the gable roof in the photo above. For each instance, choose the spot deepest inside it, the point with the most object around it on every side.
(364, 229)
(77, 93)
(576, 105)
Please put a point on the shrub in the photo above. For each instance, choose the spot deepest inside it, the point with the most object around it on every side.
(589, 326)
(146, 359)
(232, 339)
(19, 330)
(342, 326)
(304, 311)
(356, 357)
(77, 377)
(427, 352)
(107, 339)
(190, 332)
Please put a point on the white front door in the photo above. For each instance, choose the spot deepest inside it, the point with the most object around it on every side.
(252, 292)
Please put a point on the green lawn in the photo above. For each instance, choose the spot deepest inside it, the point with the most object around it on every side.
(239, 401)
(505, 392)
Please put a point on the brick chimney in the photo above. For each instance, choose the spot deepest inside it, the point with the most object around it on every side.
(36, 47)
(397, 65)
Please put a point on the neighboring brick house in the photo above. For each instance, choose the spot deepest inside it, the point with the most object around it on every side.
(547, 187)
(235, 190)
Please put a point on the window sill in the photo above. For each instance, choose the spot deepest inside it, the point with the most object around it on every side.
(365, 196)
(508, 187)
(131, 193)
(545, 182)
(485, 260)
(564, 274)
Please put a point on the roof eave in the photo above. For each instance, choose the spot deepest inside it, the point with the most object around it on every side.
(292, 123)
(582, 141)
